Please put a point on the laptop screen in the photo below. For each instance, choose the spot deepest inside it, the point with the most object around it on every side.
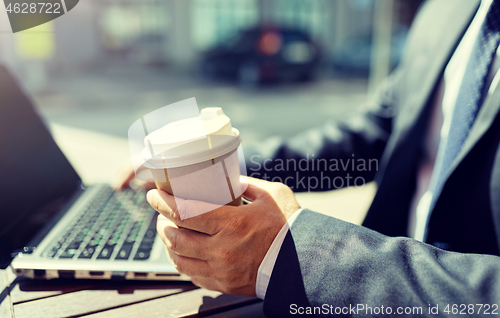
(35, 176)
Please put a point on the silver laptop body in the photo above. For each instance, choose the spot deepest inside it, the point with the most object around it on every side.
(53, 227)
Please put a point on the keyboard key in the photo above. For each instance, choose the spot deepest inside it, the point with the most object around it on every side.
(140, 256)
(146, 244)
(135, 231)
(150, 233)
(131, 238)
(139, 197)
(94, 242)
(105, 252)
(112, 242)
(145, 248)
(68, 253)
(124, 252)
(87, 252)
(74, 245)
(148, 240)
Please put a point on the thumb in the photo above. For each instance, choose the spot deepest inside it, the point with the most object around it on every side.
(255, 188)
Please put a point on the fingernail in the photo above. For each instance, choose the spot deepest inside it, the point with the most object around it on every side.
(149, 196)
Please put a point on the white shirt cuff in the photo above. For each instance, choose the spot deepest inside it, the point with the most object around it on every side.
(267, 265)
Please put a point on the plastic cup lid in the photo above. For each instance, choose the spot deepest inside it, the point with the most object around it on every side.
(191, 140)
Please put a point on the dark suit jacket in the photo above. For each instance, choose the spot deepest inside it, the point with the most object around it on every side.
(327, 261)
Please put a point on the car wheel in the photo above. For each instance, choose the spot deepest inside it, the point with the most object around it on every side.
(249, 75)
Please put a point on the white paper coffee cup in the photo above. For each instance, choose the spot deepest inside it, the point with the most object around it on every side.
(197, 158)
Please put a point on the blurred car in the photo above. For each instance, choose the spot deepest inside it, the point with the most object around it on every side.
(263, 54)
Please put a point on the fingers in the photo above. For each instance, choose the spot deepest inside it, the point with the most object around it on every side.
(125, 174)
(254, 181)
(125, 177)
(257, 188)
(206, 283)
(139, 185)
(161, 223)
(190, 266)
(181, 212)
(252, 193)
(185, 242)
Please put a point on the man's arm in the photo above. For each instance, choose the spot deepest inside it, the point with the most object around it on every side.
(324, 260)
(330, 148)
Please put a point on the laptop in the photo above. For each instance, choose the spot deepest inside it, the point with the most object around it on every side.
(51, 224)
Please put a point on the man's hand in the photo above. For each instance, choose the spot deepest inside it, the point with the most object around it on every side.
(223, 249)
(125, 177)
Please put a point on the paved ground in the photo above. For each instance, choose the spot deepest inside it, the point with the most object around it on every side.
(109, 100)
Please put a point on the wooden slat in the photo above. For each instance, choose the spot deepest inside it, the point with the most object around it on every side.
(195, 303)
(113, 295)
(24, 289)
(251, 311)
(5, 300)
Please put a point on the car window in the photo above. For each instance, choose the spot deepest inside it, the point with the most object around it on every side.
(294, 37)
(240, 42)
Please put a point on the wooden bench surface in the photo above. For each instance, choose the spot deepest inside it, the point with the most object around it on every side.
(22, 297)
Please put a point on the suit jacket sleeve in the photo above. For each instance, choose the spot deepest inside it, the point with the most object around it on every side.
(324, 260)
(361, 136)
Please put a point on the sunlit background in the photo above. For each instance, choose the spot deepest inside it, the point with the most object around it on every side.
(95, 70)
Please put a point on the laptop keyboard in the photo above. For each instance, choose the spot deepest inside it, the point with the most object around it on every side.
(115, 225)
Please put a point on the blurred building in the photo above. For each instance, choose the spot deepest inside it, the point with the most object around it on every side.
(174, 32)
